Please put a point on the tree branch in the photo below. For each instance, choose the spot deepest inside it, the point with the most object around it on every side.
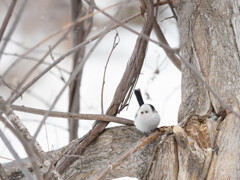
(74, 116)
(174, 59)
(13, 27)
(7, 18)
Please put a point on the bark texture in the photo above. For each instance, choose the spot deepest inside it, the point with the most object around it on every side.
(209, 32)
(98, 156)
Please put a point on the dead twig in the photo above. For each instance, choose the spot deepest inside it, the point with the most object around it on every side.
(75, 116)
(7, 18)
(161, 38)
(172, 9)
(115, 43)
(13, 26)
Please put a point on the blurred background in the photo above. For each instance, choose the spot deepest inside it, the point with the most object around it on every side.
(159, 80)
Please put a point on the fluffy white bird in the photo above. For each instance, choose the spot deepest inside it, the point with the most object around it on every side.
(147, 118)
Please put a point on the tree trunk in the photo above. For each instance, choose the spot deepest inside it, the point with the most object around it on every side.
(210, 41)
(207, 144)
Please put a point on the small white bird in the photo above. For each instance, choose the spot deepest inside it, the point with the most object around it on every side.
(147, 118)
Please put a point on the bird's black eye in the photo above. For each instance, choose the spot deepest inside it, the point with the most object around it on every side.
(146, 111)
(141, 112)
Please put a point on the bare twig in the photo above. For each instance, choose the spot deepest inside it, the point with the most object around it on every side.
(174, 59)
(75, 116)
(115, 43)
(6, 84)
(172, 9)
(161, 38)
(9, 159)
(7, 18)
(29, 58)
(13, 26)
(160, 3)
(58, 68)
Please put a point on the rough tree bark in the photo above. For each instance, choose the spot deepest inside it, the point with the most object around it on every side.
(206, 145)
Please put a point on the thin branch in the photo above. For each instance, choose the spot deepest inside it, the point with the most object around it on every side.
(75, 116)
(160, 3)
(9, 159)
(172, 9)
(28, 58)
(7, 18)
(58, 68)
(115, 43)
(7, 85)
(13, 26)
(161, 38)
